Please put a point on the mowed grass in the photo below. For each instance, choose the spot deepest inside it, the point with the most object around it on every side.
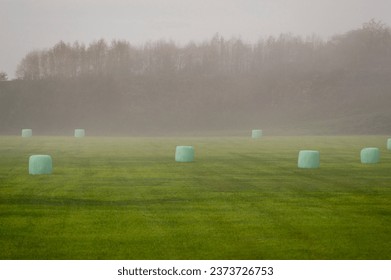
(126, 198)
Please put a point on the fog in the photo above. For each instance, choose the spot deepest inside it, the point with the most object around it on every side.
(26, 25)
(195, 67)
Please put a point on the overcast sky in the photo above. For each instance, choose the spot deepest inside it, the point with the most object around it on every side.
(26, 25)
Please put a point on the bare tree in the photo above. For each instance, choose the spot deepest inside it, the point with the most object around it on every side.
(3, 76)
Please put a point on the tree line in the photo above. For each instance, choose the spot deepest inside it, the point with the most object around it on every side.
(339, 85)
(287, 54)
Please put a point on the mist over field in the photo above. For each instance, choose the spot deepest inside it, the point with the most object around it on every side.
(285, 84)
(313, 76)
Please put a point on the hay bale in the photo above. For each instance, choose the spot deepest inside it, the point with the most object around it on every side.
(256, 133)
(184, 154)
(40, 164)
(389, 144)
(27, 132)
(370, 155)
(79, 132)
(308, 159)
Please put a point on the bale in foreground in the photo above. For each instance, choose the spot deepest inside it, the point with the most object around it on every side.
(184, 154)
(308, 159)
(40, 164)
(27, 132)
(370, 155)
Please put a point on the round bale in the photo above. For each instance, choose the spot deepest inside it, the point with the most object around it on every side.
(79, 132)
(184, 154)
(370, 155)
(389, 144)
(256, 133)
(27, 132)
(40, 164)
(308, 159)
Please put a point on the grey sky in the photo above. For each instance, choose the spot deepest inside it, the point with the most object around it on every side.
(36, 24)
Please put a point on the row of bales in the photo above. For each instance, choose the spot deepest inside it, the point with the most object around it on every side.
(28, 132)
(43, 164)
(311, 158)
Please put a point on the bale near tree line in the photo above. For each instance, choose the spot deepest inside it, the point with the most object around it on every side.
(27, 132)
(256, 133)
(79, 132)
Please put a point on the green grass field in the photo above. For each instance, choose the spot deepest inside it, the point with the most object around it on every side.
(126, 198)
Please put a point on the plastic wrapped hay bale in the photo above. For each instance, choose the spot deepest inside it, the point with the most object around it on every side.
(184, 154)
(79, 132)
(370, 155)
(389, 144)
(256, 133)
(308, 159)
(40, 164)
(26, 132)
